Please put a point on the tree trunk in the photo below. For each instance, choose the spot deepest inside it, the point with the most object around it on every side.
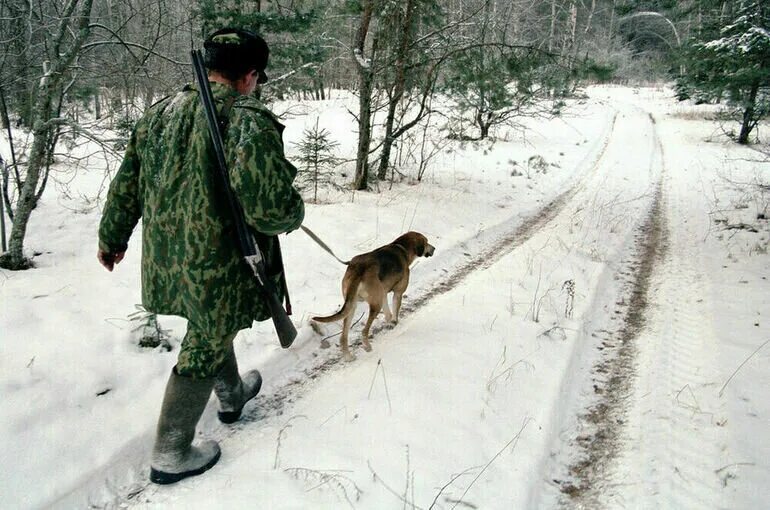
(398, 90)
(552, 31)
(365, 80)
(748, 115)
(7, 122)
(364, 130)
(97, 105)
(590, 17)
(484, 122)
(610, 32)
(3, 246)
(569, 39)
(35, 164)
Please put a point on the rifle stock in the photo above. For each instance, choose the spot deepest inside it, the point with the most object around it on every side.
(284, 328)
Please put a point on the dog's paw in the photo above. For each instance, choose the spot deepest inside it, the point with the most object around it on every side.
(346, 356)
(367, 347)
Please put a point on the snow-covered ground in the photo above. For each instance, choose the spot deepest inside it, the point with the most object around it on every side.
(479, 397)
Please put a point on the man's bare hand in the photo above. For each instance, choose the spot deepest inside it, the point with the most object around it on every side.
(108, 260)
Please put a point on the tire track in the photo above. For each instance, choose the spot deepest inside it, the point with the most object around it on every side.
(676, 452)
(615, 371)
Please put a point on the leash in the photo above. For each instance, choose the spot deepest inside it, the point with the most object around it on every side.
(322, 244)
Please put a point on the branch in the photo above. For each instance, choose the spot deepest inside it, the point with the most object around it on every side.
(294, 71)
(135, 45)
(63, 25)
(82, 35)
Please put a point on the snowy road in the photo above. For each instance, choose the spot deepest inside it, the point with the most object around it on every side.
(691, 440)
(579, 352)
(461, 404)
(661, 431)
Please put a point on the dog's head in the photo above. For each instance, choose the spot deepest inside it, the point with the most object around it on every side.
(416, 243)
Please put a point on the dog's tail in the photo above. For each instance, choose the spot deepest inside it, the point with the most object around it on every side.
(350, 302)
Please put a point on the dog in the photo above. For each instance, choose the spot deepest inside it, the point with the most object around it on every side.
(370, 277)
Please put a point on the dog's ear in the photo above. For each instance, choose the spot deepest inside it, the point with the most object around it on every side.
(420, 244)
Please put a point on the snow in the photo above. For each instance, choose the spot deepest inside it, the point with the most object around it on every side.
(475, 396)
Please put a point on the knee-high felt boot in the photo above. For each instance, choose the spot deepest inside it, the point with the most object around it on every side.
(233, 390)
(174, 457)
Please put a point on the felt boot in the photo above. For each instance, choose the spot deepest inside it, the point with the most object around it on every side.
(174, 457)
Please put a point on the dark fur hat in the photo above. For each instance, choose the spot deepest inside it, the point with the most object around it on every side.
(235, 51)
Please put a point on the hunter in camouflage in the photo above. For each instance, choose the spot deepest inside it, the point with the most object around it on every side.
(191, 265)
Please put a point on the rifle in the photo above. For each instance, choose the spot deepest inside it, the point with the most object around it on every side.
(251, 254)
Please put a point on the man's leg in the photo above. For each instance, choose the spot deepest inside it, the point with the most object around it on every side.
(174, 457)
(232, 390)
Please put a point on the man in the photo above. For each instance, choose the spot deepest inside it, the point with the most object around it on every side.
(191, 265)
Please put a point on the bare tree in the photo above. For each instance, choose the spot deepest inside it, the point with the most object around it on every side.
(70, 33)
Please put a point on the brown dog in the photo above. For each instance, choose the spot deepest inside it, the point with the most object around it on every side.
(371, 276)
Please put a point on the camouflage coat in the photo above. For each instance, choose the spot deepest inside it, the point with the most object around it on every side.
(191, 264)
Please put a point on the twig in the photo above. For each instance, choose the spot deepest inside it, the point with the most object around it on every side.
(450, 482)
(406, 489)
(741, 366)
(374, 376)
(385, 382)
(513, 441)
(535, 317)
(717, 471)
(332, 478)
(343, 408)
(280, 434)
(391, 490)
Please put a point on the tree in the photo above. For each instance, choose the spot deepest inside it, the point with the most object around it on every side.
(67, 38)
(733, 62)
(316, 153)
(492, 79)
(296, 51)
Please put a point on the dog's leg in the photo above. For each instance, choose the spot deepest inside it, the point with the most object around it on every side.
(374, 310)
(346, 355)
(398, 293)
(396, 304)
(386, 308)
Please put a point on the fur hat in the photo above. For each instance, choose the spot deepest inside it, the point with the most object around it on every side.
(235, 52)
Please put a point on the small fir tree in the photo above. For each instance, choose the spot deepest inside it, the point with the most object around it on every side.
(317, 159)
